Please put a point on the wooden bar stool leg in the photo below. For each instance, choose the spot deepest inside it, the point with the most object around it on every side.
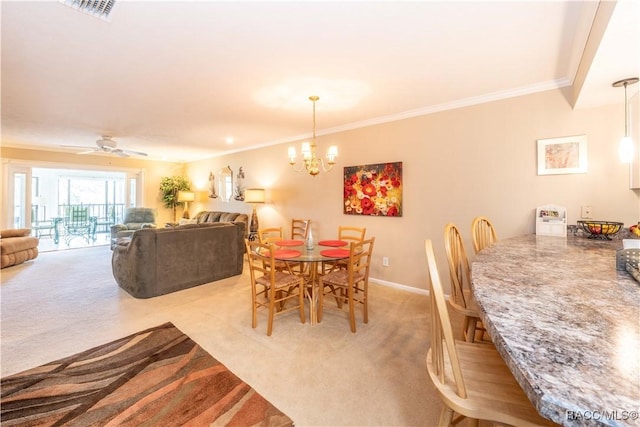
(471, 329)
(446, 416)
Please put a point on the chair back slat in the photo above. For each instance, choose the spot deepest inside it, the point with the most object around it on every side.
(459, 272)
(483, 233)
(300, 228)
(270, 235)
(351, 234)
(261, 258)
(442, 341)
(359, 260)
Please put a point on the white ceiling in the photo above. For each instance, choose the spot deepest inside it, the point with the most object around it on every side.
(176, 79)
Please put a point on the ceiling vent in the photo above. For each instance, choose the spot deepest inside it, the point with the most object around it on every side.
(97, 8)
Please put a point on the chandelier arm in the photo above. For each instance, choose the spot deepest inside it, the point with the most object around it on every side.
(326, 169)
(302, 167)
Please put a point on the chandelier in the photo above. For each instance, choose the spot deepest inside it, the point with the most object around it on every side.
(310, 162)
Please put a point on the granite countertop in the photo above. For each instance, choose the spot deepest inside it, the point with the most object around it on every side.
(567, 323)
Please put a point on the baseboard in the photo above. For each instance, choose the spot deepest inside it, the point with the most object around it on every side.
(399, 286)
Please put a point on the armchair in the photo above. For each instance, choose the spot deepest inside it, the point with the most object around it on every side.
(134, 219)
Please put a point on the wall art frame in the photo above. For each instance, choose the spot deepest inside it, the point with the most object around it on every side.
(564, 155)
(373, 190)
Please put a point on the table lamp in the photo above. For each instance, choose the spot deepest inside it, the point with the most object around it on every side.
(254, 196)
(186, 197)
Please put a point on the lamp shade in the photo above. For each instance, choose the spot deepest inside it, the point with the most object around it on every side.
(626, 150)
(254, 195)
(186, 196)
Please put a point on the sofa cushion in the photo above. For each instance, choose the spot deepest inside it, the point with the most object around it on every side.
(17, 244)
(201, 216)
(228, 216)
(213, 216)
(17, 232)
(7, 260)
(16, 250)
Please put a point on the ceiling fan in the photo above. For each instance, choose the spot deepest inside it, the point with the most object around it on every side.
(107, 145)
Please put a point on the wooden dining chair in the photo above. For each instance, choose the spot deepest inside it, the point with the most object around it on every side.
(300, 228)
(347, 234)
(483, 234)
(350, 286)
(461, 298)
(472, 380)
(351, 234)
(270, 235)
(270, 287)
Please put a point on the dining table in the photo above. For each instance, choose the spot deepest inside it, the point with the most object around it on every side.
(311, 258)
(566, 321)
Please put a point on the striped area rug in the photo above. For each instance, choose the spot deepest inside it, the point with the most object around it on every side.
(157, 377)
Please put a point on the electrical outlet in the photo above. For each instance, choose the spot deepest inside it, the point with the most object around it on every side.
(385, 261)
(586, 211)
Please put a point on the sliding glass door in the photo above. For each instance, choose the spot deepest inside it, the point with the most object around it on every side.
(38, 195)
(18, 213)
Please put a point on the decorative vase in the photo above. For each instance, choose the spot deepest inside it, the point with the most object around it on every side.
(310, 240)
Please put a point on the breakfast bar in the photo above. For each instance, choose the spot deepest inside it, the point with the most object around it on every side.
(567, 323)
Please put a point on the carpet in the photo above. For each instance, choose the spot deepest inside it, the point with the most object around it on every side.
(155, 377)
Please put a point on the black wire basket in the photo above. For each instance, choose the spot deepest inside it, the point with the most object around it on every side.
(600, 229)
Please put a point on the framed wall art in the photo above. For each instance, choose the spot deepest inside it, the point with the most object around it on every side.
(562, 155)
(374, 190)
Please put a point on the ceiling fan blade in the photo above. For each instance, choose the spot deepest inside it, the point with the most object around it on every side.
(106, 145)
(118, 152)
(136, 153)
(86, 147)
(94, 150)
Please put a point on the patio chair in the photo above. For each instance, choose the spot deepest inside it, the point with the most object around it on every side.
(77, 222)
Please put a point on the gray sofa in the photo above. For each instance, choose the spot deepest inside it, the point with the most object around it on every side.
(158, 261)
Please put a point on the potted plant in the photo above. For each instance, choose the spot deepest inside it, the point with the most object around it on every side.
(169, 188)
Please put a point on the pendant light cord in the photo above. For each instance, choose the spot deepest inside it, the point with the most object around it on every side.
(626, 114)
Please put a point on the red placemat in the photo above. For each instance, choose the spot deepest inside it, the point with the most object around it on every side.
(286, 253)
(335, 253)
(332, 243)
(290, 243)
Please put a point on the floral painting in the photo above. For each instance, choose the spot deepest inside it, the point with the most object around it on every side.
(373, 189)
